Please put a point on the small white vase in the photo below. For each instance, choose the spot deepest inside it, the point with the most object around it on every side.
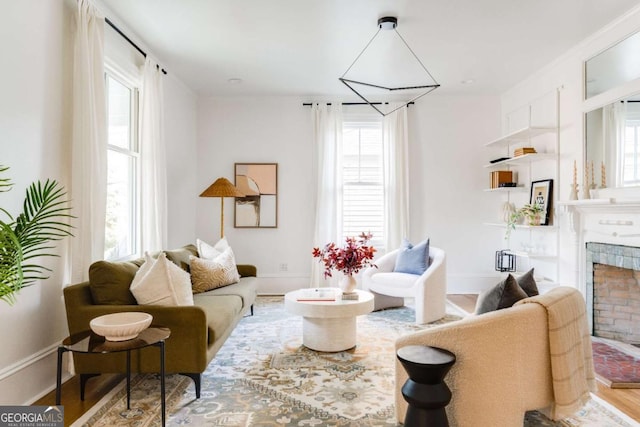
(348, 284)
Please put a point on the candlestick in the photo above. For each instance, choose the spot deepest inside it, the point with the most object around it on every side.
(593, 178)
(585, 188)
(603, 178)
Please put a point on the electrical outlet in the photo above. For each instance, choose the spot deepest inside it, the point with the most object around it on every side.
(284, 266)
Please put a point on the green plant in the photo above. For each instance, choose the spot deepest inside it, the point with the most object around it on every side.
(30, 234)
(531, 212)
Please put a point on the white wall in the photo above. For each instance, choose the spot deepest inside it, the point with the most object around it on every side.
(447, 202)
(566, 73)
(34, 41)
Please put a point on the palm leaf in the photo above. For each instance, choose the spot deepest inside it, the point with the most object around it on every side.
(29, 236)
(5, 183)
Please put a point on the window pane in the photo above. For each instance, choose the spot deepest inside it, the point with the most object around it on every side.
(363, 192)
(119, 120)
(119, 230)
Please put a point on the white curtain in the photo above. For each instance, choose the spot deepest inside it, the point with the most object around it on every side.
(396, 177)
(614, 118)
(327, 142)
(89, 142)
(153, 160)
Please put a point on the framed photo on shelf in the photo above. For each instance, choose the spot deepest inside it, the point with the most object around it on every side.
(542, 194)
(259, 183)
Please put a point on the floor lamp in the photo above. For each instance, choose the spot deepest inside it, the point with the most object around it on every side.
(221, 188)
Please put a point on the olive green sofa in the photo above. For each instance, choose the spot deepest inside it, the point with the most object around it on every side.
(197, 332)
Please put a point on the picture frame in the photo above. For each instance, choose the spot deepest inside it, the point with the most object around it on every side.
(259, 207)
(542, 194)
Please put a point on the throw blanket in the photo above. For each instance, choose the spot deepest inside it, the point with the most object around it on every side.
(570, 350)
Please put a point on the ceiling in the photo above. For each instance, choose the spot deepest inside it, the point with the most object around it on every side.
(301, 47)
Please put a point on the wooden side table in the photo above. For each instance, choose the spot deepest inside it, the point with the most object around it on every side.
(425, 391)
(89, 342)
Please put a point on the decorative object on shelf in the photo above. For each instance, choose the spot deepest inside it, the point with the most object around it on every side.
(410, 77)
(603, 176)
(505, 261)
(121, 326)
(574, 185)
(499, 159)
(500, 177)
(541, 195)
(222, 188)
(524, 150)
(531, 212)
(258, 208)
(349, 259)
(586, 194)
(593, 178)
(30, 234)
(508, 209)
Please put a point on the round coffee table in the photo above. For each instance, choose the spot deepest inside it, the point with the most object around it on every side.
(329, 326)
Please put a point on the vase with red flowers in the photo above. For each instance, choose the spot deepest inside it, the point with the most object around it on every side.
(348, 259)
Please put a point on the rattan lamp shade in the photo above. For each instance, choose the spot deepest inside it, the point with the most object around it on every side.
(221, 188)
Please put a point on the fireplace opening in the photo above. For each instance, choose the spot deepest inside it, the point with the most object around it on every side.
(616, 303)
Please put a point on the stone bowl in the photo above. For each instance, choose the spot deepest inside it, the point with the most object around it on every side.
(121, 326)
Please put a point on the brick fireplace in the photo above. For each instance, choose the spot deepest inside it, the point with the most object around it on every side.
(613, 291)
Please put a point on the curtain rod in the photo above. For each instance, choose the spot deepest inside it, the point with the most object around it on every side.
(124, 36)
(309, 104)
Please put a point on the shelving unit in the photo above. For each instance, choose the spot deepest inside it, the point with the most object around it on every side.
(537, 246)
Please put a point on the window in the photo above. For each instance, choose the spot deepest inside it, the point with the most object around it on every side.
(362, 179)
(631, 153)
(121, 230)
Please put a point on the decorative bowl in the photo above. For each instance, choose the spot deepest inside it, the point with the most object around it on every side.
(121, 326)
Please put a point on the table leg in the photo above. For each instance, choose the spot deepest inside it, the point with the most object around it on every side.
(61, 351)
(128, 379)
(162, 384)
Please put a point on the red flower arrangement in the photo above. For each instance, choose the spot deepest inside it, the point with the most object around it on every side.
(349, 259)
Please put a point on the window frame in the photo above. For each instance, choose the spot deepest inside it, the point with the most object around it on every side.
(133, 152)
(360, 122)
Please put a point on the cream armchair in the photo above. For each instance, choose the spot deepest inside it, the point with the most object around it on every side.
(428, 289)
(503, 363)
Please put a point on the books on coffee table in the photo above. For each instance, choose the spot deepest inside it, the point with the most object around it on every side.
(318, 294)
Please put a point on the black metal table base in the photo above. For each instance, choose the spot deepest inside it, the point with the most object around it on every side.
(160, 345)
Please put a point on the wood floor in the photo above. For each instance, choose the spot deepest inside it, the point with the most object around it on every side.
(627, 400)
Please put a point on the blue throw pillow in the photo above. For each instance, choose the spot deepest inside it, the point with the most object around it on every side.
(413, 259)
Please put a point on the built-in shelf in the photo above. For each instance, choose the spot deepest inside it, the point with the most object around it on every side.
(532, 227)
(505, 189)
(525, 158)
(523, 134)
(531, 255)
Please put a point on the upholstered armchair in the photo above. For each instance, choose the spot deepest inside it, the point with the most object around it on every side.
(505, 361)
(428, 289)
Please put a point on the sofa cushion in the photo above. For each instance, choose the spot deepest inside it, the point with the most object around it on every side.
(412, 259)
(221, 312)
(180, 257)
(207, 251)
(210, 274)
(161, 282)
(503, 295)
(109, 282)
(528, 284)
(397, 280)
(245, 289)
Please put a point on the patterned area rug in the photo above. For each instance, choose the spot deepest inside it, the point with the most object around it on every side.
(263, 376)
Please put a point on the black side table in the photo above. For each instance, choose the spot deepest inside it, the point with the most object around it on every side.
(89, 342)
(425, 391)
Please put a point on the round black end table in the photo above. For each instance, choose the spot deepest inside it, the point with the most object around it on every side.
(89, 342)
(425, 391)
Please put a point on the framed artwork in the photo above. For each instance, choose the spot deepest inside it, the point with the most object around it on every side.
(259, 207)
(542, 194)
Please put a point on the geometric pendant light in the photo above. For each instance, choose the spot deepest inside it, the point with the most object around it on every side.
(388, 68)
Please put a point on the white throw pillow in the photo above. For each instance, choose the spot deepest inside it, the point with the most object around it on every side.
(161, 282)
(211, 274)
(207, 251)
